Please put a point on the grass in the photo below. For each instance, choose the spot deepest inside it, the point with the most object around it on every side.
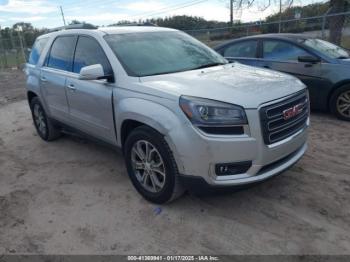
(346, 42)
(11, 60)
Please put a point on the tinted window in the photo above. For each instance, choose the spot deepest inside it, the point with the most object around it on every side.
(155, 53)
(36, 50)
(242, 49)
(283, 51)
(61, 53)
(89, 52)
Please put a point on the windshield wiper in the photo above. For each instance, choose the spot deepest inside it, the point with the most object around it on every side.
(343, 57)
(208, 65)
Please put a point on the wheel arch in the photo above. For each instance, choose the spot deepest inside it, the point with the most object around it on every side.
(134, 112)
(335, 87)
(31, 95)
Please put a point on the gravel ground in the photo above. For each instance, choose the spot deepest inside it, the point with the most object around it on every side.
(11, 86)
(72, 196)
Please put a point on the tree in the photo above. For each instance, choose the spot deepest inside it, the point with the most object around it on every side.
(76, 22)
(23, 26)
(238, 5)
(336, 23)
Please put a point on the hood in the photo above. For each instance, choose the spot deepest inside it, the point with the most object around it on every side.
(344, 61)
(233, 83)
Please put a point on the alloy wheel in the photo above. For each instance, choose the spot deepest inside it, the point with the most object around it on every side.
(39, 119)
(148, 166)
(343, 104)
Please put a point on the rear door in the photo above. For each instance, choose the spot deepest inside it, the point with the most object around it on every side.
(283, 56)
(244, 52)
(90, 101)
(53, 76)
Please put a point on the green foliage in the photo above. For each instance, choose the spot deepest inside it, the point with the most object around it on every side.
(9, 36)
(181, 22)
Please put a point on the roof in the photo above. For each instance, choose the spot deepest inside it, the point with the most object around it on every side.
(282, 35)
(112, 30)
(287, 36)
(133, 29)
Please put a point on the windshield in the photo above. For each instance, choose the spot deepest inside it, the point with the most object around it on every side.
(327, 48)
(144, 54)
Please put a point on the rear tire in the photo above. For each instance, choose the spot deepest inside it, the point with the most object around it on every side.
(151, 166)
(340, 103)
(43, 125)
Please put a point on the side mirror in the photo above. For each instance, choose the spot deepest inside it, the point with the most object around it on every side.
(309, 59)
(92, 72)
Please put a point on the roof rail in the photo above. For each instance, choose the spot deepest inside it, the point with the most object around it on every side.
(74, 26)
(137, 24)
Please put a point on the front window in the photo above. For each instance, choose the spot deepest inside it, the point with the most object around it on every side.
(282, 51)
(144, 54)
(327, 48)
(89, 52)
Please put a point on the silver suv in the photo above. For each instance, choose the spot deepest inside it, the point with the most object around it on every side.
(182, 115)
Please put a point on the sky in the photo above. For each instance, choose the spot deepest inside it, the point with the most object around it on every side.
(46, 13)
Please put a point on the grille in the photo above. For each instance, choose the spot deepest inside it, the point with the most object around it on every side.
(275, 126)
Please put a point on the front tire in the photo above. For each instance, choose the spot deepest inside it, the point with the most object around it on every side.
(151, 166)
(43, 125)
(340, 103)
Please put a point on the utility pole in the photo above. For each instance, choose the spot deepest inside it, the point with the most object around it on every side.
(231, 13)
(64, 21)
(280, 22)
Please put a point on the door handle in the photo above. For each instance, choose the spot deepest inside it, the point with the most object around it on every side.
(43, 79)
(266, 66)
(71, 87)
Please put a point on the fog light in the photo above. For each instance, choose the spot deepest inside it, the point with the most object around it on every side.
(228, 169)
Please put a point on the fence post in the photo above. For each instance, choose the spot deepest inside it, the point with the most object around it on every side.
(21, 46)
(323, 27)
(324, 18)
(4, 64)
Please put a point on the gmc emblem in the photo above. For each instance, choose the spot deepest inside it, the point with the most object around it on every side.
(293, 111)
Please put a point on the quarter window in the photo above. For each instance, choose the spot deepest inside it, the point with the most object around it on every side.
(61, 53)
(283, 51)
(38, 47)
(242, 49)
(89, 52)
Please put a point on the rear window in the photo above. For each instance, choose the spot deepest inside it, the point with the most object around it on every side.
(242, 49)
(37, 49)
(61, 54)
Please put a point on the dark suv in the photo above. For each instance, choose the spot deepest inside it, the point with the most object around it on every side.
(322, 66)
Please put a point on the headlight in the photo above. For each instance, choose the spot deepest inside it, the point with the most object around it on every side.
(210, 113)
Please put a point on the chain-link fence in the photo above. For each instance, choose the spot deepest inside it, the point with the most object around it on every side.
(13, 51)
(332, 27)
(14, 48)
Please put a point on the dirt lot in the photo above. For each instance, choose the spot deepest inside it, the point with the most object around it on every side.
(74, 197)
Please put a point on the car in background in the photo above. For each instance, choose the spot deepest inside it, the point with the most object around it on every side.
(322, 66)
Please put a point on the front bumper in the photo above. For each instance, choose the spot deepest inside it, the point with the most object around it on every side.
(200, 153)
(200, 185)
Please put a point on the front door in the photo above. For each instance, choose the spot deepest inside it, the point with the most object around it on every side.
(283, 56)
(90, 101)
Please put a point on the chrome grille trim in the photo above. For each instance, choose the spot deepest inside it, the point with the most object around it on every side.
(274, 127)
